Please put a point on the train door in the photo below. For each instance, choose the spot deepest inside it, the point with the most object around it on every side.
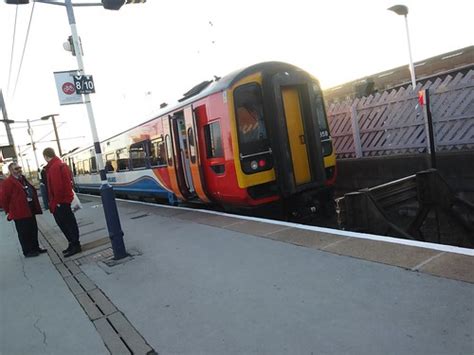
(182, 143)
(296, 135)
(171, 160)
(194, 154)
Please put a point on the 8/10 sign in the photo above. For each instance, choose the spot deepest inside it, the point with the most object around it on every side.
(84, 84)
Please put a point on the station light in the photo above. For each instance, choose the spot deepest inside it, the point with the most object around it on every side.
(117, 4)
(17, 2)
(108, 4)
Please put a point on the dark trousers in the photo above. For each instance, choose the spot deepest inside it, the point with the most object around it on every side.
(67, 223)
(27, 234)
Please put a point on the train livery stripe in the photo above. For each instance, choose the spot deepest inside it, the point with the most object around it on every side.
(160, 179)
(144, 184)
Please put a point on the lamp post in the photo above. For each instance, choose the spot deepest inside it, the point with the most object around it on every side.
(45, 118)
(7, 122)
(106, 191)
(403, 10)
(33, 145)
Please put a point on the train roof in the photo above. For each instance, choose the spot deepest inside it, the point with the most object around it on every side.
(207, 88)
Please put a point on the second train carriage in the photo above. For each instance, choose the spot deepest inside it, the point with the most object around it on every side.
(255, 136)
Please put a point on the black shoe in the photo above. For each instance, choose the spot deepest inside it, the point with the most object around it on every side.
(74, 250)
(67, 249)
(41, 250)
(31, 254)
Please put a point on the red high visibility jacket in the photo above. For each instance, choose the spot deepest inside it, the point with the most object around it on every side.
(1, 182)
(59, 183)
(14, 202)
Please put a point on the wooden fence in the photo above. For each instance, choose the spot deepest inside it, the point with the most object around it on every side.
(392, 122)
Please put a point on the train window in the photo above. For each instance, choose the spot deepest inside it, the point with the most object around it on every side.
(87, 168)
(93, 164)
(212, 133)
(138, 156)
(80, 168)
(192, 145)
(110, 162)
(158, 152)
(323, 124)
(169, 150)
(251, 125)
(122, 159)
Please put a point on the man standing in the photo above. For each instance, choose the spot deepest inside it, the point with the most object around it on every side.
(20, 202)
(60, 196)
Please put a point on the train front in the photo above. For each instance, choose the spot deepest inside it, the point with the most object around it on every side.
(282, 148)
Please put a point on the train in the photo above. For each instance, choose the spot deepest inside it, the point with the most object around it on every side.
(255, 137)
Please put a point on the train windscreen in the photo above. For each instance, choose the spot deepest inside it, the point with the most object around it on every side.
(251, 126)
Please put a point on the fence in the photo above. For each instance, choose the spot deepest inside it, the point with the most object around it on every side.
(392, 122)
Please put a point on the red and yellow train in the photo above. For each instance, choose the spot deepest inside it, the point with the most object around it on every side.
(256, 136)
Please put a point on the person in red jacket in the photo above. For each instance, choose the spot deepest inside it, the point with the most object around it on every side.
(60, 196)
(20, 202)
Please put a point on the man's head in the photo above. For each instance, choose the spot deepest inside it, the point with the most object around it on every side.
(14, 169)
(48, 154)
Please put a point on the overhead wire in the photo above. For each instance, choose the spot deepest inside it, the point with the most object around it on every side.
(12, 51)
(24, 48)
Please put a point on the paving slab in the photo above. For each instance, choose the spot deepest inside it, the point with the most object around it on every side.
(111, 338)
(305, 238)
(254, 228)
(387, 253)
(460, 267)
(217, 221)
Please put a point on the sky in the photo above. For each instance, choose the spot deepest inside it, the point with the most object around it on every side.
(147, 54)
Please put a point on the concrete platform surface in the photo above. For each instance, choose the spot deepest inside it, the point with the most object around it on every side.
(201, 283)
(38, 314)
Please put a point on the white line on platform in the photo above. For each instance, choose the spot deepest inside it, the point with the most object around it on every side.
(415, 243)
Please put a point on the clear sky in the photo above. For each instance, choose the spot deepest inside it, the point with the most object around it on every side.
(146, 54)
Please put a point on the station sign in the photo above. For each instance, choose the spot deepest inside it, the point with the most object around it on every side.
(84, 84)
(66, 88)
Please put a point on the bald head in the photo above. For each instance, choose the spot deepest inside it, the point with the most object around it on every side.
(14, 169)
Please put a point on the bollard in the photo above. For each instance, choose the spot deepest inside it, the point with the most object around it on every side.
(113, 221)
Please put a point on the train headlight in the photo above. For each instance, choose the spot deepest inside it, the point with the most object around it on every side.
(254, 165)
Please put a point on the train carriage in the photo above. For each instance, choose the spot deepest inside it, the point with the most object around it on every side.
(253, 137)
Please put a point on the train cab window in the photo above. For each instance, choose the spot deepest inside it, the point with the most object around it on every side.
(169, 150)
(192, 145)
(326, 144)
(138, 155)
(323, 124)
(122, 159)
(251, 125)
(93, 164)
(110, 163)
(87, 167)
(158, 152)
(80, 168)
(212, 133)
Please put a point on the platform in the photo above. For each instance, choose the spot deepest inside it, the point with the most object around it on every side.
(200, 282)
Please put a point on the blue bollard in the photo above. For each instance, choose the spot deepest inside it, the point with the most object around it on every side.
(113, 221)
